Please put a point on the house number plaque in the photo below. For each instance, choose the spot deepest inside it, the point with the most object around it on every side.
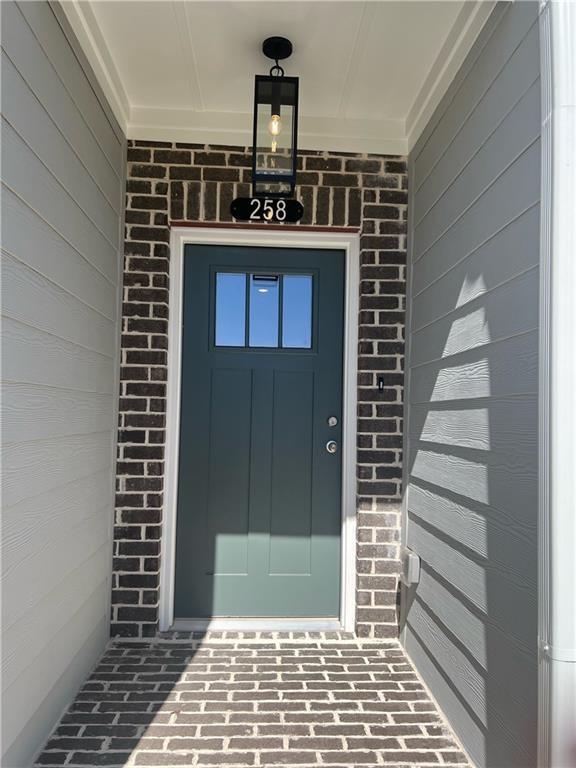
(277, 209)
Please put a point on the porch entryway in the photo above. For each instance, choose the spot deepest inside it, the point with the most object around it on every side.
(457, 448)
(253, 699)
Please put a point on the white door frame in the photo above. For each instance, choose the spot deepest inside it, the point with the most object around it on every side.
(251, 236)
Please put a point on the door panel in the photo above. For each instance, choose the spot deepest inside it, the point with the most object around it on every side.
(259, 497)
(228, 507)
(291, 508)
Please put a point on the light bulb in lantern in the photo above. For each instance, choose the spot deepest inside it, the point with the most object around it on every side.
(274, 128)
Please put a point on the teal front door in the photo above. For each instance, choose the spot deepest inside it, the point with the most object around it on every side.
(259, 491)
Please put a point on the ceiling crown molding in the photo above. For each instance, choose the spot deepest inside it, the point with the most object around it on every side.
(319, 133)
(466, 28)
(86, 28)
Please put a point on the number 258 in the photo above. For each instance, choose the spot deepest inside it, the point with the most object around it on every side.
(269, 209)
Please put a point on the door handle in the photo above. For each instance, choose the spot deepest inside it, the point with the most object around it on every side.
(331, 446)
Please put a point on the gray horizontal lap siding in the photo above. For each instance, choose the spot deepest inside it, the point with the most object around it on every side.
(62, 167)
(196, 183)
(472, 439)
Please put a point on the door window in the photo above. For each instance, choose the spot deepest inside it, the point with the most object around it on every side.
(267, 311)
(230, 309)
(297, 311)
(264, 296)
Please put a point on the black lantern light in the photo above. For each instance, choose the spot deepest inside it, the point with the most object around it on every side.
(274, 152)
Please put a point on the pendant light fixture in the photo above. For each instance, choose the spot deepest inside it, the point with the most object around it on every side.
(274, 146)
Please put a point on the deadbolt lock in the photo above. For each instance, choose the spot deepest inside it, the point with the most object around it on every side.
(332, 421)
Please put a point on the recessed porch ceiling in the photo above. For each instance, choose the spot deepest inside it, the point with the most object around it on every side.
(371, 72)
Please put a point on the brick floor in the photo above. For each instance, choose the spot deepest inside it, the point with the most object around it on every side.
(253, 699)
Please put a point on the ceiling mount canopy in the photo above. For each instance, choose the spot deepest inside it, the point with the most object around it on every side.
(277, 49)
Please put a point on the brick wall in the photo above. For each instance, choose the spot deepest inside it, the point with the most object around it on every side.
(175, 182)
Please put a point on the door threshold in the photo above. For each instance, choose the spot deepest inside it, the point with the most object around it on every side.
(263, 624)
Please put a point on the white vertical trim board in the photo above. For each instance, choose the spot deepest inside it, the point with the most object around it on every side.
(557, 502)
(350, 244)
(544, 390)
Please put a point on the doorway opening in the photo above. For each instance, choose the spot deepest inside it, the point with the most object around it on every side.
(263, 334)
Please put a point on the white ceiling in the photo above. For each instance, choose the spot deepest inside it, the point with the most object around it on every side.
(371, 72)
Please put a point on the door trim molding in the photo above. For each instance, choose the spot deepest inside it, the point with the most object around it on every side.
(350, 244)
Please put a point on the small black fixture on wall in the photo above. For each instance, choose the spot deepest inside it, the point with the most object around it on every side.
(274, 145)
